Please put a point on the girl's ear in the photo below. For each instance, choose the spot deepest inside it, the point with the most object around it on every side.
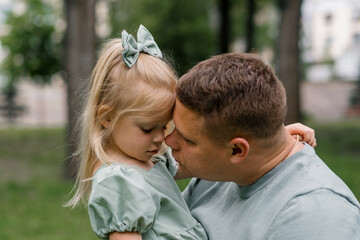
(104, 113)
(240, 149)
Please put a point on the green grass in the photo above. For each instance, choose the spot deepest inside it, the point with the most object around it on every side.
(33, 190)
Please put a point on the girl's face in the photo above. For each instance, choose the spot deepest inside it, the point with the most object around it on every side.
(140, 138)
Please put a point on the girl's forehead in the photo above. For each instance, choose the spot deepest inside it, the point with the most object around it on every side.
(153, 117)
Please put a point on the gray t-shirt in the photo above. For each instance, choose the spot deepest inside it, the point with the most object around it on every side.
(299, 199)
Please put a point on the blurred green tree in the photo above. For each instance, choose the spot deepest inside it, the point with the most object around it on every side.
(182, 29)
(253, 23)
(191, 31)
(33, 49)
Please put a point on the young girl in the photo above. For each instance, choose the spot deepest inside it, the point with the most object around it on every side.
(126, 174)
(130, 193)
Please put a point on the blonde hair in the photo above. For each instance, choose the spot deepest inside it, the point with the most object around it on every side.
(146, 90)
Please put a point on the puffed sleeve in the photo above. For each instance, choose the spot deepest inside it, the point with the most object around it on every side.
(169, 161)
(120, 201)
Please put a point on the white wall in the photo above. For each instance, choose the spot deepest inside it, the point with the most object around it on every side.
(46, 105)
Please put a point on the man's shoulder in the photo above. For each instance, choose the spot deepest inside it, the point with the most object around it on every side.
(308, 174)
(323, 198)
(320, 214)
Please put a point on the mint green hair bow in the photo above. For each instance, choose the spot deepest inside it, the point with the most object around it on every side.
(146, 43)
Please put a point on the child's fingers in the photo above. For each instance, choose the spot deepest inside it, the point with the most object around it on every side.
(300, 137)
(305, 133)
(309, 137)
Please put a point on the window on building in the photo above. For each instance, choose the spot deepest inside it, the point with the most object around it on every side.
(356, 16)
(356, 37)
(328, 45)
(329, 42)
(328, 18)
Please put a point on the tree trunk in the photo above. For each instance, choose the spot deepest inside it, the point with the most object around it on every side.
(224, 31)
(250, 5)
(78, 62)
(288, 56)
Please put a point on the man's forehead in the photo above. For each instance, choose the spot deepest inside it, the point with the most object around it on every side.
(186, 121)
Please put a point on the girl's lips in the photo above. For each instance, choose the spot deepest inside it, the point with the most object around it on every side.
(153, 152)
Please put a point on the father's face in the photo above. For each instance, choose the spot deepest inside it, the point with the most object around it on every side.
(197, 155)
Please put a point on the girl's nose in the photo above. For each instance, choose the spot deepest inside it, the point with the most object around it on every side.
(159, 137)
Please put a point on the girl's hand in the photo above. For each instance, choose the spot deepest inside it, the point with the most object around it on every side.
(306, 134)
(125, 236)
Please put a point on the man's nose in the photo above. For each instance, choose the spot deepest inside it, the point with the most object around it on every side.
(171, 141)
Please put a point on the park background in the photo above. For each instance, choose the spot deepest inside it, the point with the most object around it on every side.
(48, 47)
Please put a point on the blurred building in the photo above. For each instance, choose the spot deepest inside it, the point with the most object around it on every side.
(331, 41)
(44, 105)
(331, 56)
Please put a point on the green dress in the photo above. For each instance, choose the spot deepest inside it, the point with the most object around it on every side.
(125, 198)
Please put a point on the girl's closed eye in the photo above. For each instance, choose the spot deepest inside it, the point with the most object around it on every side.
(150, 129)
(146, 130)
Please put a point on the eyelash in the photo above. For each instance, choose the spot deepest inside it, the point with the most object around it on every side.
(146, 130)
(189, 141)
(149, 130)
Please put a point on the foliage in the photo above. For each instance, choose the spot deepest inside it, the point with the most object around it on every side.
(32, 46)
(33, 50)
(264, 28)
(181, 28)
(188, 30)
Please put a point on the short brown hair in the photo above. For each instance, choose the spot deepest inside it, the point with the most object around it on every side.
(236, 93)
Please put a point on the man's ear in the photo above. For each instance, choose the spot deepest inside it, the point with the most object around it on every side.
(104, 113)
(240, 149)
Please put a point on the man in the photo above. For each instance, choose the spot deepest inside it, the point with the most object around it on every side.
(254, 180)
